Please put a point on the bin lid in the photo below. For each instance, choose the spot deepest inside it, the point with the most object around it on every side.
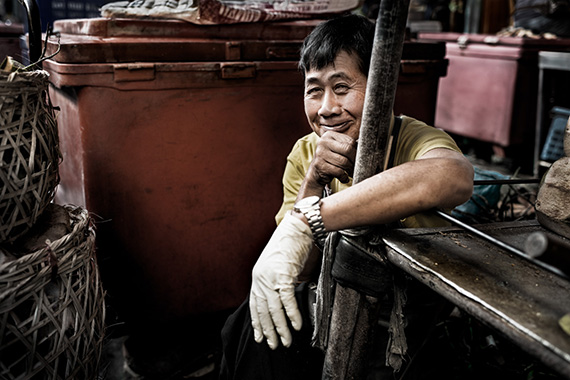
(488, 45)
(106, 40)
(176, 75)
(109, 40)
(491, 39)
(11, 30)
(128, 27)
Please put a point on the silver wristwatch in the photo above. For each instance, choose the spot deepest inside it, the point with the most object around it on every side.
(311, 208)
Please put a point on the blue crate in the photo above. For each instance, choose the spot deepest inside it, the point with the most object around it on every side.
(553, 148)
(52, 10)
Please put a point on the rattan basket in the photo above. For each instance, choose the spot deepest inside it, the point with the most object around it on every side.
(52, 309)
(29, 151)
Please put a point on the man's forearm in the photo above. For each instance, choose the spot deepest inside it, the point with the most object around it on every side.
(402, 191)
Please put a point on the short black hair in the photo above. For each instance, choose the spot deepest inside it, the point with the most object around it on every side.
(351, 33)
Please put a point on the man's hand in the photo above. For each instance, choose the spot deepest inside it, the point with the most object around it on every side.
(334, 158)
(273, 283)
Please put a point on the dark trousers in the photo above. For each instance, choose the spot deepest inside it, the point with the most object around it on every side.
(245, 359)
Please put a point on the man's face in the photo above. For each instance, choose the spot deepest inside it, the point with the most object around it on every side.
(334, 97)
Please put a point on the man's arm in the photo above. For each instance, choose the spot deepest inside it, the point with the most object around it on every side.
(441, 178)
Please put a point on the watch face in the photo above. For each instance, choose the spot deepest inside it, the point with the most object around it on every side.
(307, 202)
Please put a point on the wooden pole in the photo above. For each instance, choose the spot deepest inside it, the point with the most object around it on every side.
(381, 88)
(354, 314)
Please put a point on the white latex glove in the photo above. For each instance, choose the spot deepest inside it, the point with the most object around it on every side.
(273, 282)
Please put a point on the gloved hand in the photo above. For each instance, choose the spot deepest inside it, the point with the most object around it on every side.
(273, 282)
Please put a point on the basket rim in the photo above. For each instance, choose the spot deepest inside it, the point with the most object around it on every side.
(24, 74)
(78, 221)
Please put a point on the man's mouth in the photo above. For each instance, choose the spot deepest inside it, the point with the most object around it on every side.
(340, 127)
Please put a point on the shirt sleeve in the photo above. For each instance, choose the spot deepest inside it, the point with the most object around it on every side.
(418, 138)
(297, 165)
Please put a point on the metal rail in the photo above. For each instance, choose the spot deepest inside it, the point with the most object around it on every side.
(500, 243)
(514, 181)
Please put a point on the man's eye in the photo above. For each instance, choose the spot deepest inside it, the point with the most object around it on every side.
(341, 87)
(313, 91)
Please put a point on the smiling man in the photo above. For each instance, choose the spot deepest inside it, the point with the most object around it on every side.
(428, 172)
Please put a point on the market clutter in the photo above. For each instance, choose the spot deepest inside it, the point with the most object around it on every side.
(52, 299)
(543, 16)
(221, 12)
(553, 199)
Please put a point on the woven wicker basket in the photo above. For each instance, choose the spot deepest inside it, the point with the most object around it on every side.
(29, 151)
(52, 309)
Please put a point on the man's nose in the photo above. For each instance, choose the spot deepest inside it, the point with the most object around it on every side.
(330, 105)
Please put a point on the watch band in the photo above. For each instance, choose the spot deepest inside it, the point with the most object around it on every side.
(310, 207)
(315, 220)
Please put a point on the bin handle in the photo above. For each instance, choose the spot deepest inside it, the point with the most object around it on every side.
(462, 41)
(34, 30)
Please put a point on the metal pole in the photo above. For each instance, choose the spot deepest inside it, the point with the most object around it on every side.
(515, 181)
(34, 30)
(539, 123)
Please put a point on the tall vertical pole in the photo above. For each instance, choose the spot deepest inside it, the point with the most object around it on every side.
(354, 314)
(381, 87)
(34, 30)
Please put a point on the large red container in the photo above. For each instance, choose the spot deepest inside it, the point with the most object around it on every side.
(490, 91)
(423, 64)
(176, 137)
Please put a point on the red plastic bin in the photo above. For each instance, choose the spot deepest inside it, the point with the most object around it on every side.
(490, 91)
(176, 136)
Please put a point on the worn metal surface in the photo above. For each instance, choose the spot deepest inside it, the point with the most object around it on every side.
(517, 298)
